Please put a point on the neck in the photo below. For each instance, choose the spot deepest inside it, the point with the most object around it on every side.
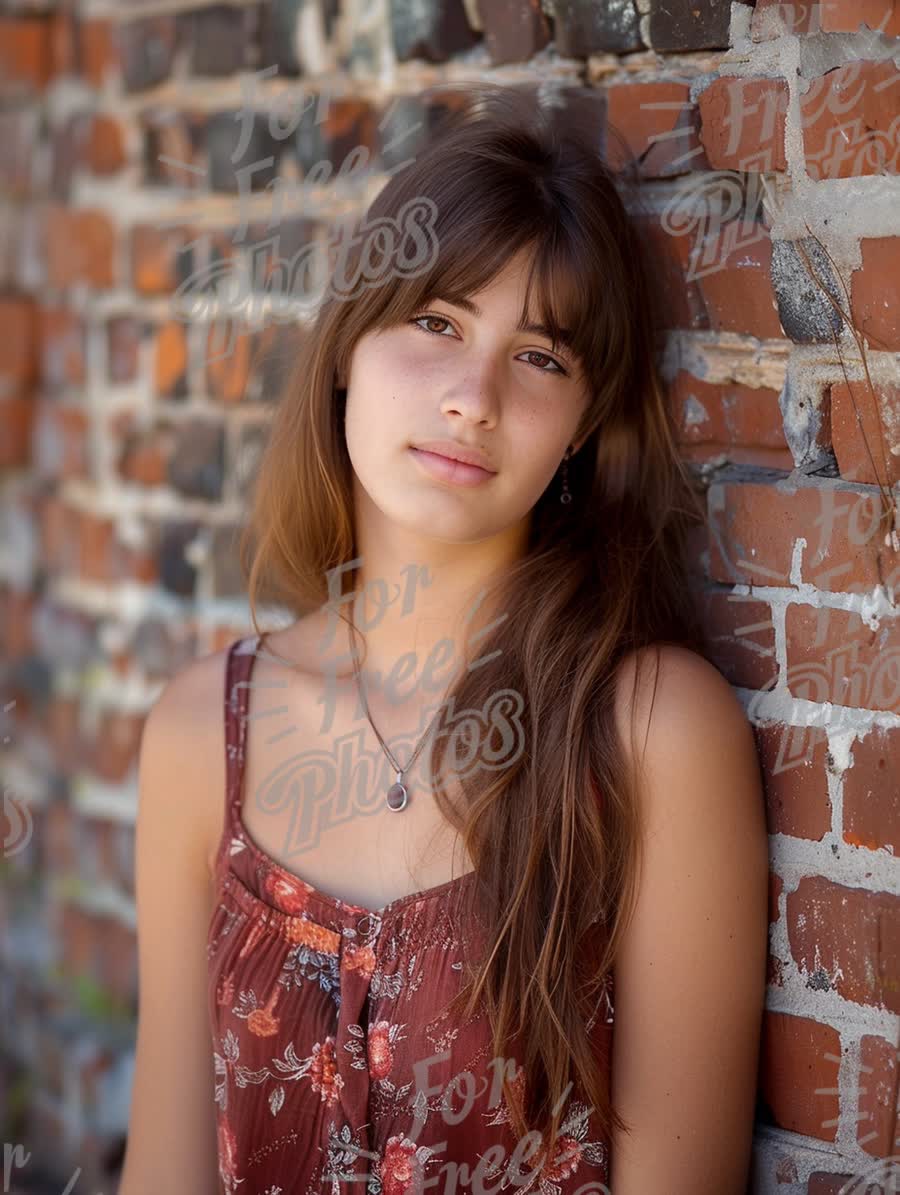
(418, 609)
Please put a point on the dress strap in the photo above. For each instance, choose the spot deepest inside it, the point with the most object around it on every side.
(238, 671)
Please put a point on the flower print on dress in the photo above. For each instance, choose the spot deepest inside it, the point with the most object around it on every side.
(403, 1166)
(286, 893)
(227, 1156)
(346, 1162)
(318, 966)
(570, 1149)
(319, 1066)
(295, 971)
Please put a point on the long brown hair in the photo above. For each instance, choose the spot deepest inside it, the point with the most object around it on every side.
(555, 868)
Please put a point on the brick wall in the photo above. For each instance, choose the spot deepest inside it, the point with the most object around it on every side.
(767, 140)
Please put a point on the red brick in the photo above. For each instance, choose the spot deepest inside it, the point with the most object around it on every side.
(105, 149)
(799, 1065)
(742, 638)
(738, 292)
(795, 779)
(159, 258)
(16, 638)
(123, 338)
(845, 940)
(170, 364)
(872, 791)
(17, 420)
(838, 658)
(513, 31)
(98, 50)
(62, 337)
(730, 419)
(866, 431)
(646, 115)
(64, 40)
(681, 303)
(18, 133)
(60, 440)
(875, 292)
(18, 345)
(753, 529)
(877, 1106)
(742, 123)
(57, 531)
(79, 247)
(846, 16)
(229, 349)
(821, 1183)
(25, 51)
(96, 547)
(851, 124)
(145, 453)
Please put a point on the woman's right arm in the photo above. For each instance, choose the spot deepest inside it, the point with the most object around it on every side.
(172, 1129)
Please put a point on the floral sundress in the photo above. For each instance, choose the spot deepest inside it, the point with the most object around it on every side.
(337, 1068)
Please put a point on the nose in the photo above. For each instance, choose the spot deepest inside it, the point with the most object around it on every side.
(475, 396)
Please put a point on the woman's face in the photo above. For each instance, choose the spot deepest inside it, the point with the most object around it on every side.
(473, 381)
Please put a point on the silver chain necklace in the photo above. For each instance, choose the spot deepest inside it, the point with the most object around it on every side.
(398, 794)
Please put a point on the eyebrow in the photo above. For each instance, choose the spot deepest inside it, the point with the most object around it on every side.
(565, 336)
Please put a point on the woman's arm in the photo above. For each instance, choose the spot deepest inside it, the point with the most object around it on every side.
(172, 1138)
(690, 982)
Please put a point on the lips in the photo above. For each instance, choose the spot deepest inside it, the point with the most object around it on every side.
(456, 452)
(446, 469)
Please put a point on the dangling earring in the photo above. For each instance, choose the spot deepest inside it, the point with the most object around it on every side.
(566, 497)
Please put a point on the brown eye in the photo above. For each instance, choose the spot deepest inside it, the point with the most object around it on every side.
(440, 319)
(419, 320)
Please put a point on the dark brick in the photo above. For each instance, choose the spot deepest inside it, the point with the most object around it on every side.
(160, 649)
(19, 130)
(227, 575)
(804, 309)
(278, 31)
(433, 30)
(689, 25)
(409, 122)
(274, 353)
(513, 29)
(218, 39)
(123, 338)
(197, 466)
(176, 573)
(276, 36)
(332, 136)
(68, 143)
(307, 142)
(275, 251)
(585, 27)
(257, 165)
(251, 443)
(146, 49)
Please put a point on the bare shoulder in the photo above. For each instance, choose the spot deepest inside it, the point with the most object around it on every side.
(671, 703)
(690, 973)
(183, 749)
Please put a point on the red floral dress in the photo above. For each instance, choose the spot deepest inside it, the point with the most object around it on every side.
(336, 1064)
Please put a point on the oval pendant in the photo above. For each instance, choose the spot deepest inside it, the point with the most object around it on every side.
(397, 797)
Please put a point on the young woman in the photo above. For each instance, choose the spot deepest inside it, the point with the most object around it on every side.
(458, 880)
